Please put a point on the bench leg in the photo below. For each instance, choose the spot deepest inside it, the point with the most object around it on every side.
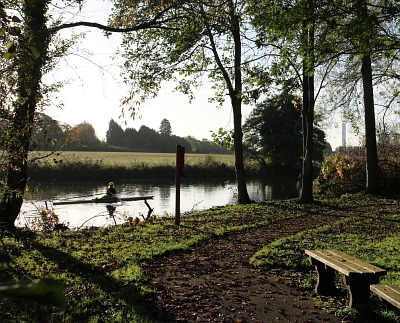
(359, 293)
(325, 279)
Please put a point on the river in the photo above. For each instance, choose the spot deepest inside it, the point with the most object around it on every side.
(194, 196)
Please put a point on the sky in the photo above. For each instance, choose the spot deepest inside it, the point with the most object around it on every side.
(94, 89)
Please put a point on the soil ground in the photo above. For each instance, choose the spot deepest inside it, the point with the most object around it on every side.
(214, 282)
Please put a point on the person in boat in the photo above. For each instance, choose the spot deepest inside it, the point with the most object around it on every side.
(111, 189)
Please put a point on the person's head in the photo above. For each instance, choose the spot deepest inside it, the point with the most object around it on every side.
(111, 184)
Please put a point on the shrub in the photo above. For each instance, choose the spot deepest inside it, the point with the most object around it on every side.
(341, 173)
(345, 172)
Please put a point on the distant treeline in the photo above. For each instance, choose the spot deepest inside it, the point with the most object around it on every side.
(49, 134)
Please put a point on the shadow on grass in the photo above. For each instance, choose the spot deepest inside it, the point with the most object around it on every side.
(119, 302)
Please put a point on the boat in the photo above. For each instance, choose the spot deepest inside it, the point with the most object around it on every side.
(106, 199)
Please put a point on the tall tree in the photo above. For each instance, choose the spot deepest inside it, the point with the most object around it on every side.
(30, 58)
(86, 135)
(205, 38)
(364, 22)
(29, 62)
(165, 128)
(273, 135)
(115, 135)
(132, 139)
(297, 31)
(369, 41)
(149, 138)
(307, 46)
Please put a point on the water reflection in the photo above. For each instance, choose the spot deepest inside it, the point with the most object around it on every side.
(194, 196)
(111, 209)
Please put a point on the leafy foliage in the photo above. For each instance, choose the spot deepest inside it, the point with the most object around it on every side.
(46, 221)
(165, 128)
(28, 57)
(273, 135)
(344, 171)
(224, 138)
(341, 173)
(195, 40)
(115, 134)
(85, 135)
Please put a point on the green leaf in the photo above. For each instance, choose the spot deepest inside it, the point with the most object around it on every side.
(11, 50)
(33, 50)
(44, 290)
(2, 31)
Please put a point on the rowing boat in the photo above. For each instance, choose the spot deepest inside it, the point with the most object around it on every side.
(105, 199)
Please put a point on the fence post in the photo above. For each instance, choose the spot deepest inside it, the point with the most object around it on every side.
(179, 172)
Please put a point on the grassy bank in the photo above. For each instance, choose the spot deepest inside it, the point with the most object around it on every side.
(87, 165)
(100, 269)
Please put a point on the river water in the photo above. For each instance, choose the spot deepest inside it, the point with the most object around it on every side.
(194, 196)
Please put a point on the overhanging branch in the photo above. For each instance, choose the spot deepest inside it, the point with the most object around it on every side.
(147, 25)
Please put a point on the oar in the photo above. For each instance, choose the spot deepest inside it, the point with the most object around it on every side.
(118, 198)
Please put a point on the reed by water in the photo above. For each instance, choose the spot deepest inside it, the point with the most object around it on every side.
(89, 165)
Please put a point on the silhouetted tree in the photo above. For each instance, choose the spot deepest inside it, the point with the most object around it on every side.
(115, 135)
(165, 128)
(47, 133)
(149, 138)
(132, 139)
(273, 135)
(86, 135)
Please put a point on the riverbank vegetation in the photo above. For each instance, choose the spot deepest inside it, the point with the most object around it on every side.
(101, 269)
(345, 171)
(81, 165)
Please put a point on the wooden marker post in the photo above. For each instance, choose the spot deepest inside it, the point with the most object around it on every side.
(179, 172)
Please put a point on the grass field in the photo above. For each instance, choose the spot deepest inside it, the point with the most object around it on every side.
(87, 165)
(136, 158)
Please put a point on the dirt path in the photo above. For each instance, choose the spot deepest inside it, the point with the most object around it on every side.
(214, 282)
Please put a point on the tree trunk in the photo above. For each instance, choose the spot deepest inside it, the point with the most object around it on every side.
(236, 100)
(306, 194)
(243, 196)
(373, 181)
(29, 73)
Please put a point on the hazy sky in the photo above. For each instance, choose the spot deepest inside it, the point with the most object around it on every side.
(95, 88)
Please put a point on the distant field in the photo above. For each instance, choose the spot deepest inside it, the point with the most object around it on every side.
(135, 158)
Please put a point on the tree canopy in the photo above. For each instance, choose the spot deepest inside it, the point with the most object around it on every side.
(273, 135)
(165, 128)
(200, 39)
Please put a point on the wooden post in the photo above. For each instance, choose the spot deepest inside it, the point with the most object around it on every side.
(179, 172)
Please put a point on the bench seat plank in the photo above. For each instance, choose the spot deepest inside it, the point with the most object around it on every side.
(345, 264)
(389, 293)
(357, 275)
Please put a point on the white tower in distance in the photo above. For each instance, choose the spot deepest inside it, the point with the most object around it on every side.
(343, 134)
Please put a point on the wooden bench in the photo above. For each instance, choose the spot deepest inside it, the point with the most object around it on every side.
(389, 293)
(358, 275)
